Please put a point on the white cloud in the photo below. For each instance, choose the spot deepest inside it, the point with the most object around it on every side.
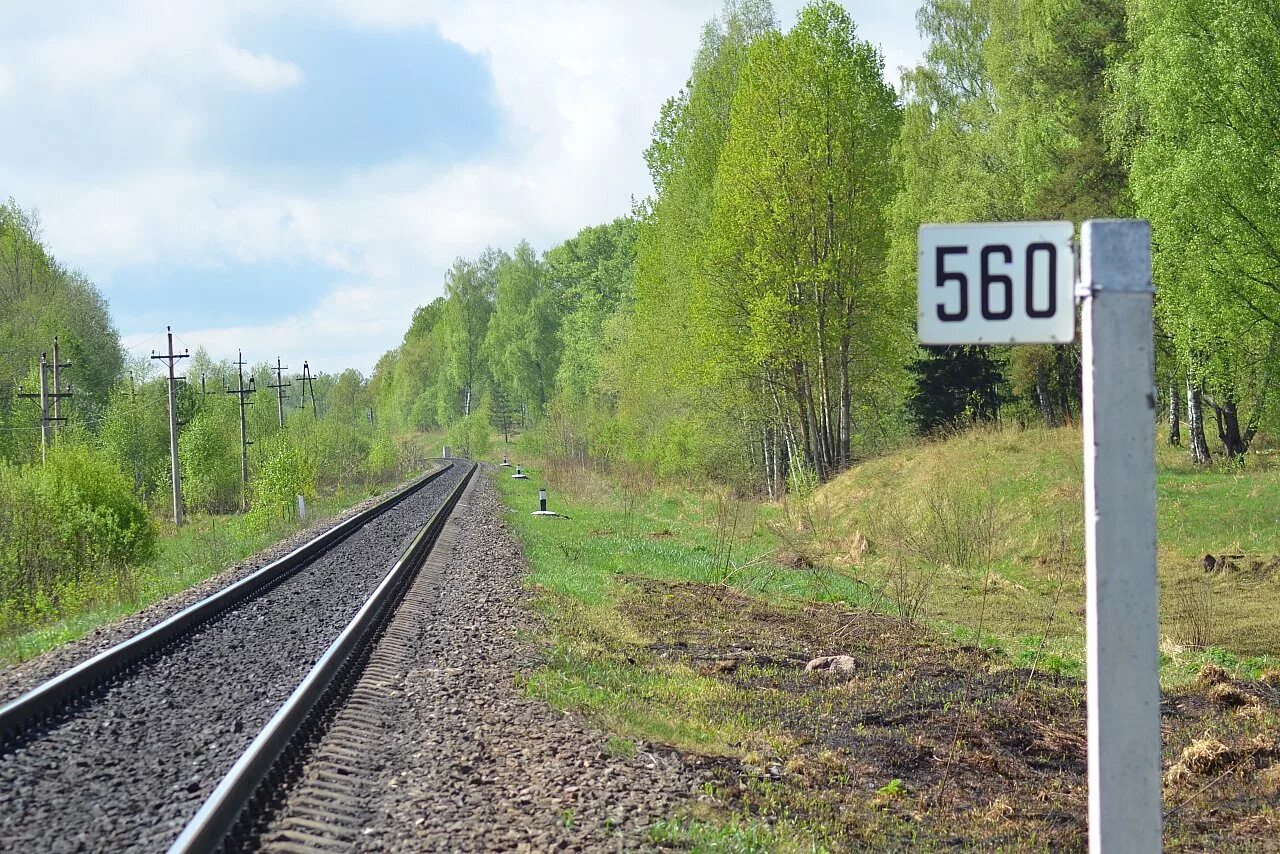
(257, 71)
(578, 85)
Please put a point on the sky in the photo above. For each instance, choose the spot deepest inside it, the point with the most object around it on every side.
(294, 177)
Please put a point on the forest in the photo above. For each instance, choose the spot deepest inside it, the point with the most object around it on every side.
(750, 322)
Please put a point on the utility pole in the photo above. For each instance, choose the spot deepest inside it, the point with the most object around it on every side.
(46, 397)
(42, 396)
(171, 359)
(58, 364)
(280, 385)
(308, 382)
(243, 393)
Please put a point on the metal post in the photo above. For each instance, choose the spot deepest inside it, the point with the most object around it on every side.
(542, 500)
(1120, 538)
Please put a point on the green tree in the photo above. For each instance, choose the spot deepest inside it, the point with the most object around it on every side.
(1202, 99)
(521, 339)
(795, 292)
(469, 292)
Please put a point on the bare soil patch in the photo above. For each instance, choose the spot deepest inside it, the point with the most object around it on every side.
(927, 743)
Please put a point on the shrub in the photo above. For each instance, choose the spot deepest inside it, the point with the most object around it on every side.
(471, 437)
(284, 472)
(383, 460)
(209, 459)
(70, 530)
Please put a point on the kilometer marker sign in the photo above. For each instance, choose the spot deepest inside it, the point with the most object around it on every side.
(1014, 283)
(997, 283)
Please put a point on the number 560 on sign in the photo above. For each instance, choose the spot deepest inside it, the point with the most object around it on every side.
(998, 283)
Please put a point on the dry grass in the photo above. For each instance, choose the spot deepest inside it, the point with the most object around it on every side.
(1203, 757)
(1030, 482)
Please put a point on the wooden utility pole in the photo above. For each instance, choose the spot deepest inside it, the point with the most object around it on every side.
(43, 397)
(171, 358)
(58, 394)
(280, 385)
(46, 397)
(243, 393)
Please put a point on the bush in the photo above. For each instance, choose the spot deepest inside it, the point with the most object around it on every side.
(471, 437)
(284, 472)
(70, 531)
(384, 460)
(209, 459)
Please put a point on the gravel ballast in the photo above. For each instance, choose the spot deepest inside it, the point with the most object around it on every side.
(17, 679)
(126, 773)
(474, 764)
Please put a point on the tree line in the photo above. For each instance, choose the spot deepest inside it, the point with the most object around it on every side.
(77, 519)
(752, 320)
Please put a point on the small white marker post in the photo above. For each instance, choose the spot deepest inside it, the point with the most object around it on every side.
(1121, 609)
(542, 505)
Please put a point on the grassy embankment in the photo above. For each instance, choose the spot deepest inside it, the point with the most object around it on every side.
(687, 620)
(184, 557)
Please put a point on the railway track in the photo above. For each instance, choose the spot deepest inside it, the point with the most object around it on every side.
(170, 739)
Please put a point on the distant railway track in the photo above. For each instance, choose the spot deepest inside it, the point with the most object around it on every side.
(165, 740)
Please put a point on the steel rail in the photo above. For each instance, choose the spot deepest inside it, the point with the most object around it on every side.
(48, 697)
(216, 819)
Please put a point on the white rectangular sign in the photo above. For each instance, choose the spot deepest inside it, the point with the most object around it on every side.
(997, 283)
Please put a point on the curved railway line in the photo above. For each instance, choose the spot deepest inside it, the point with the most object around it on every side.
(176, 737)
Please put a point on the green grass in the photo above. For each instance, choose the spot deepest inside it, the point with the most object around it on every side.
(735, 835)
(1032, 594)
(186, 556)
(640, 656)
(669, 537)
(584, 565)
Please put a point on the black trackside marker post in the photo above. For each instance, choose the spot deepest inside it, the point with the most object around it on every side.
(542, 500)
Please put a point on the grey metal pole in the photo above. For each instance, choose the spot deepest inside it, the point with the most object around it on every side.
(279, 391)
(1121, 613)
